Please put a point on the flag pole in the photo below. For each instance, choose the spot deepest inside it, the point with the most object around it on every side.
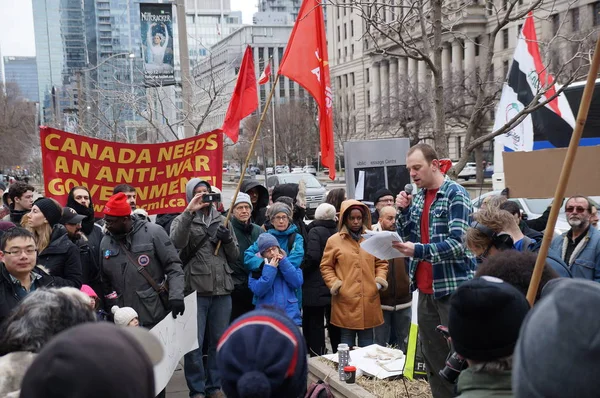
(565, 174)
(273, 129)
(250, 151)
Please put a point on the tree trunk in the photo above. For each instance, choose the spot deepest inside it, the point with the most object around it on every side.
(439, 119)
(479, 162)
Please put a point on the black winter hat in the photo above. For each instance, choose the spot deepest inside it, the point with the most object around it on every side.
(50, 210)
(380, 194)
(485, 317)
(290, 190)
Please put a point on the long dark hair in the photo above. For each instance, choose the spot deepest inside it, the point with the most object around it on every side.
(335, 197)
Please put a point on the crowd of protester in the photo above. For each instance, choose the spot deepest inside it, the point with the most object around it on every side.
(73, 285)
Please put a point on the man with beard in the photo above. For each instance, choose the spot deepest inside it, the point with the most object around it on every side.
(81, 201)
(90, 268)
(580, 246)
(138, 261)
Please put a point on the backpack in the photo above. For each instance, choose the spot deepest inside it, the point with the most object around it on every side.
(320, 389)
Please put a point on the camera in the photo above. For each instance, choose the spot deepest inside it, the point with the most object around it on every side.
(211, 197)
(455, 363)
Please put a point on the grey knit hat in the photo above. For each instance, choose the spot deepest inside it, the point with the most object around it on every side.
(277, 208)
(243, 198)
(558, 351)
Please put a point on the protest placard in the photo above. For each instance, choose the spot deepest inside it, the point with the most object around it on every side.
(159, 172)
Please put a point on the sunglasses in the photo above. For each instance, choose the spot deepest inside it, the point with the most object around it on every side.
(578, 209)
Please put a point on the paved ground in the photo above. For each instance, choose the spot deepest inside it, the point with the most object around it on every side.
(177, 387)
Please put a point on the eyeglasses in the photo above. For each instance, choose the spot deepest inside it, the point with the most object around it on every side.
(279, 218)
(578, 209)
(18, 252)
(386, 200)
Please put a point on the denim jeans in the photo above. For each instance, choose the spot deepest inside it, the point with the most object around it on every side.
(348, 336)
(399, 323)
(213, 317)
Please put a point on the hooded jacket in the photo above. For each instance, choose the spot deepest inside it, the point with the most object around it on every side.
(92, 231)
(146, 245)
(314, 291)
(259, 210)
(62, 259)
(352, 275)
(207, 274)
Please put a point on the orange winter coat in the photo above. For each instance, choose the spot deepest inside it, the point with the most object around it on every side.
(351, 274)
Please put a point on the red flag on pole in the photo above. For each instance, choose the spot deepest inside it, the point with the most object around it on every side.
(264, 77)
(244, 100)
(306, 62)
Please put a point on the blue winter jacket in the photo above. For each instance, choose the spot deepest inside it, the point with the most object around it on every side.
(586, 257)
(276, 286)
(252, 262)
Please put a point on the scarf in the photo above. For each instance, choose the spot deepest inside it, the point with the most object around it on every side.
(87, 224)
(355, 235)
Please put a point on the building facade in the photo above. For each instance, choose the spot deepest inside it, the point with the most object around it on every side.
(209, 21)
(23, 72)
(374, 91)
(61, 50)
(267, 42)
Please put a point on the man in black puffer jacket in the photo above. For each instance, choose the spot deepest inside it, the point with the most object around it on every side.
(316, 295)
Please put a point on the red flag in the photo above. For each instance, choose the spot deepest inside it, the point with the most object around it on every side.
(306, 62)
(244, 100)
(264, 77)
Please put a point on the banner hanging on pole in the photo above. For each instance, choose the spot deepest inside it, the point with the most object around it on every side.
(159, 172)
(156, 29)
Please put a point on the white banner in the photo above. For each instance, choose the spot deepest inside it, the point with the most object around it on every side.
(178, 337)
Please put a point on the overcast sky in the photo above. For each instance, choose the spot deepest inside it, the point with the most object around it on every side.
(16, 29)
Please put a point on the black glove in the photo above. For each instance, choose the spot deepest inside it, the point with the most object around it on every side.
(223, 234)
(177, 307)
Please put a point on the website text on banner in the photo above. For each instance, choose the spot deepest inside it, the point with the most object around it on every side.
(159, 172)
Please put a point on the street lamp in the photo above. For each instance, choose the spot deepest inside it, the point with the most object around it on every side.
(131, 56)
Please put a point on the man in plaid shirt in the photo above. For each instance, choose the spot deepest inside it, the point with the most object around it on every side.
(432, 227)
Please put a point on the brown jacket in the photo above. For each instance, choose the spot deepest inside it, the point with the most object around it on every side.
(351, 275)
(397, 295)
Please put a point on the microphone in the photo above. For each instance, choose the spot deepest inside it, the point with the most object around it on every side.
(408, 188)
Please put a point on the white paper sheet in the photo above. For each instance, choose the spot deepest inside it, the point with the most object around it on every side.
(379, 244)
(380, 369)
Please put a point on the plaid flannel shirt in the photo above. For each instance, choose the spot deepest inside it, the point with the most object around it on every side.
(449, 218)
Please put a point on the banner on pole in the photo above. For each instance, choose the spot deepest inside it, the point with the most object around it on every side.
(159, 172)
(156, 28)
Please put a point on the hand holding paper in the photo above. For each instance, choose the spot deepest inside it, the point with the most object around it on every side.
(380, 244)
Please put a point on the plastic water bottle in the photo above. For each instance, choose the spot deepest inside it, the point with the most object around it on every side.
(343, 359)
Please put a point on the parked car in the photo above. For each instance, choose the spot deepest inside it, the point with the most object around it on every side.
(469, 171)
(269, 170)
(489, 171)
(282, 169)
(297, 170)
(310, 169)
(315, 192)
(530, 209)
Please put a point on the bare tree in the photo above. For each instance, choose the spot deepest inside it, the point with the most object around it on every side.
(417, 30)
(18, 127)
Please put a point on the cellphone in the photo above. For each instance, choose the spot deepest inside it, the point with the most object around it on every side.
(211, 197)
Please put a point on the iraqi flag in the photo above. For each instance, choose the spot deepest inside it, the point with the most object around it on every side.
(552, 123)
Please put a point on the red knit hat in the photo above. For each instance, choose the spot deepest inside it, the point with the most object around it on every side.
(117, 206)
